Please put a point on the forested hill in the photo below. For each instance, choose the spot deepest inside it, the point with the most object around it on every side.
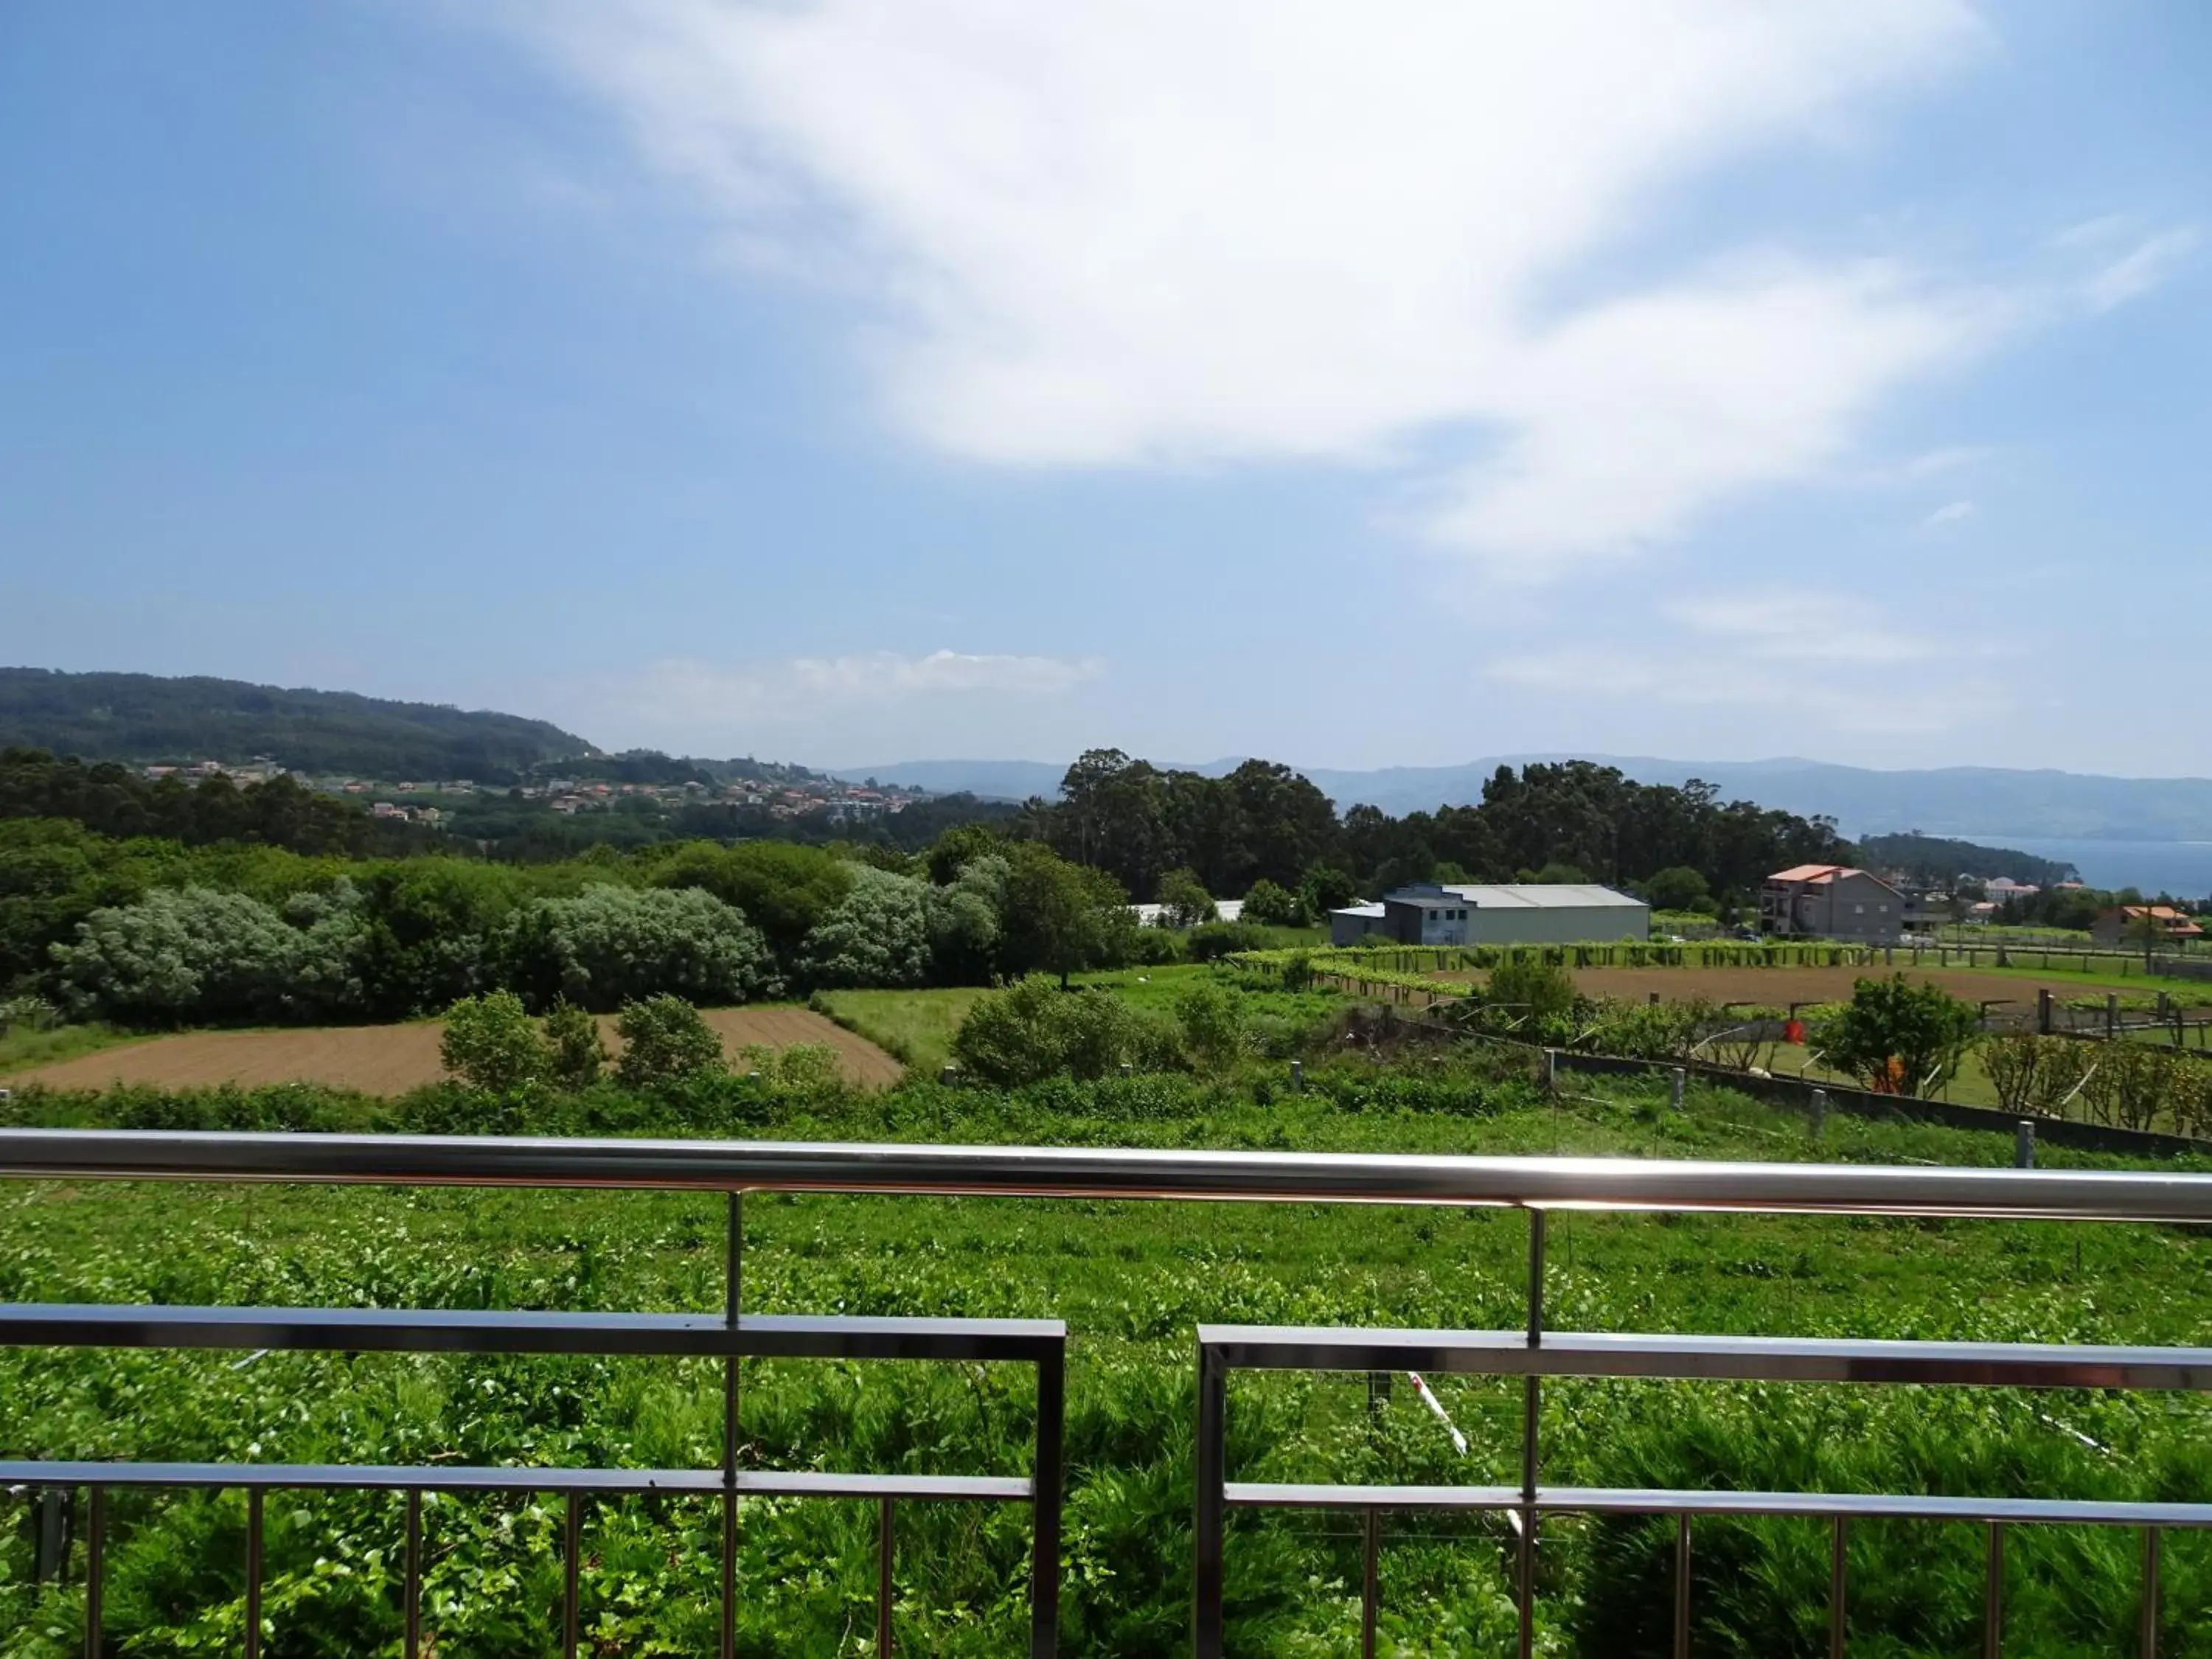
(148, 717)
(1938, 859)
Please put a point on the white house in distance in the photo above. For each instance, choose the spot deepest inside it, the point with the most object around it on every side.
(1832, 901)
(1429, 913)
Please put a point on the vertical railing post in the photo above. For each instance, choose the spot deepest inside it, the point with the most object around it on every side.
(733, 1290)
(1045, 1489)
(883, 1578)
(2146, 1639)
(411, 1614)
(1838, 1538)
(95, 1564)
(252, 1572)
(46, 1563)
(1531, 1412)
(572, 1550)
(1370, 1582)
(1993, 1596)
(1211, 1471)
(1682, 1585)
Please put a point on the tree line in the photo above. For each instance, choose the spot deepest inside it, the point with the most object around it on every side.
(1149, 826)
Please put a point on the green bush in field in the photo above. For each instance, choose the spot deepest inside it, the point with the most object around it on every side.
(876, 934)
(611, 945)
(1270, 906)
(1034, 1031)
(579, 1054)
(490, 1042)
(1542, 990)
(1212, 1016)
(178, 955)
(1184, 902)
(1217, 940)
(664, 1040)
(1898, 1034)
(799, 1067)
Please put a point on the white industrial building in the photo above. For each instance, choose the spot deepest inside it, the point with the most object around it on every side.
(1429, 913)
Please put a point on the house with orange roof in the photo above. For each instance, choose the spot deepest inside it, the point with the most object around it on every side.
(1832, 901)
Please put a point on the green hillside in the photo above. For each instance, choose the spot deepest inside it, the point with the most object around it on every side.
(148, 717)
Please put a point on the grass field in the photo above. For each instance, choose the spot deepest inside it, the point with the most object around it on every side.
(21, 1046)
(1131, 1280)
(915, 1027)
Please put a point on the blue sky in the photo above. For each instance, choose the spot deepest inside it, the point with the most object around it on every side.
(851, 381)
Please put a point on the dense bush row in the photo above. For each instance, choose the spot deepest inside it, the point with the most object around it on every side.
(153, 933)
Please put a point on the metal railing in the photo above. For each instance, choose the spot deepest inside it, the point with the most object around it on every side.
(1537, 1185)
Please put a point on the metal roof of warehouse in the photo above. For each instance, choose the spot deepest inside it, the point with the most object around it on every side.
(1544, 895)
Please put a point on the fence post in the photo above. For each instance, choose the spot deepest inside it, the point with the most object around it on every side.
(949, 1076)
(1820, 1114)
(1298, 1077)
(2043, 1012)
(1678, 1083)
(51, 1544)
(2112, 1015)
(2023, 1145)
(1552, 1070)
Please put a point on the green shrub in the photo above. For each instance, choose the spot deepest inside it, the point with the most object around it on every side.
(1034, 1031)
(1223, 939)
(579, 1054)
(1542, 990)
(180, 956)
(610, 945)
(876, 934)
(1184, 902)
(490, 1042)
(1212, 1016)
(1270, 906)
(1898, 1036)
(664, 1041)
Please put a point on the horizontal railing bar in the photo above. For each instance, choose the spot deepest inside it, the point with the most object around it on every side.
(1739, 1359)
(1079, 1172)
(1610, 1500)
(750, 1483)
(425, 1330)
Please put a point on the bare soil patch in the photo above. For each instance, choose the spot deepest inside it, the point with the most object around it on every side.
(1777, 986)
(389, 1060)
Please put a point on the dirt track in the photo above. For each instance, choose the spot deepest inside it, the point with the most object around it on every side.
(389, 1060)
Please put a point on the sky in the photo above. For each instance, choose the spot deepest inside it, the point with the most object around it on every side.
(848, 381)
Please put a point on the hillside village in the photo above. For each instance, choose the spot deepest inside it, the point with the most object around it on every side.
(781, 792)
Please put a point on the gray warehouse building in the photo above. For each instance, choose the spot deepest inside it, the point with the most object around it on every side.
(1429, 913)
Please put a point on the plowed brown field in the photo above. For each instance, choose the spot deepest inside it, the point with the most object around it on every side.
(389, 1060)
(1777, 986)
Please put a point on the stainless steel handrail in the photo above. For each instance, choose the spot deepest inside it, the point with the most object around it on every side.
(1537, 1185)
(1542, 1183)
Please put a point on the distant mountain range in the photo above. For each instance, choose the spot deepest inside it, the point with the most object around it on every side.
(1979, 801)
(146, 717)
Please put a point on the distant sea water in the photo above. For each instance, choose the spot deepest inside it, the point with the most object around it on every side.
(2183, 868)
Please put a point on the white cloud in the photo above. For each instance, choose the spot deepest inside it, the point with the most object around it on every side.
(682, 692)
(1819, 655)
(1206, 231)
(2140, 270)
(1949, 513)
